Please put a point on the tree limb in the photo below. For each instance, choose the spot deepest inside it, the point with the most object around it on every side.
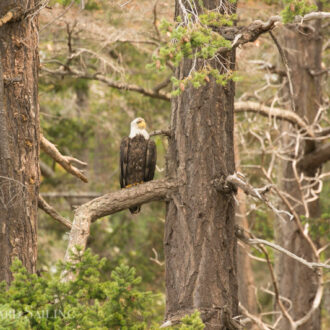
(69, 71)
(112, 203)
(71, 194)
(65, 161)
(264, 110)
(287, 69)
(43, 205)
(256, 241)
(161, 132)
(254, 318)
(225, 185)
(250, 33)
(316, 158)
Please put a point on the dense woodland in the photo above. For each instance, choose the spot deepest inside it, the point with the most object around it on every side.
(234, 230)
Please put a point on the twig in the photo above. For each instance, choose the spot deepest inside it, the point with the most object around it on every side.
(109, 82)
(162, 85)
(156, 259)
(65, 161)
(240, 233)
(72, 194)
(287, 68)
(311, 265)
(254, 318)
(155, 21)
(43, 205)
(224, 185)
(59, 16)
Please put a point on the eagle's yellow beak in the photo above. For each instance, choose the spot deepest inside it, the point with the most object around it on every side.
(142, 124)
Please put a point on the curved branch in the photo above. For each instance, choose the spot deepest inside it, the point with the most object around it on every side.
(65, 161)
(112, 203)
(263, 110)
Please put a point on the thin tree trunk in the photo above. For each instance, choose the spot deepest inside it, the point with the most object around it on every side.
(303, 50)
(200, 243)
(19, 136)
(246, 284)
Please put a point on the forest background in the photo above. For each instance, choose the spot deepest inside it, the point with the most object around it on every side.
(86, 115)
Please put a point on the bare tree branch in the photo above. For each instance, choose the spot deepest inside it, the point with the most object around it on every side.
(287, 115)
(313, 15)
(65, 161)
(43, 205)
(162, 85)
(254, 318)
(224, 185)
(250, 33)
(71, 194)
(161, 132)
(256, 241)
(287, 69)
(69, 71)
(112, 203)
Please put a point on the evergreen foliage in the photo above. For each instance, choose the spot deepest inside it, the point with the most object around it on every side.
(197, 41)
(295, 8)
(86, 302)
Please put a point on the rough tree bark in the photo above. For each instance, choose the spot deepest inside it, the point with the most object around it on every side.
(19, 136)
(303, 48)
(200, 243)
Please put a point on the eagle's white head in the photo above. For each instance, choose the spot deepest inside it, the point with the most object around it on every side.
(138, 127)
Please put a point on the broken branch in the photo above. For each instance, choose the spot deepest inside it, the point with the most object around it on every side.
(65, 161)
(223, 185)
(43, 205)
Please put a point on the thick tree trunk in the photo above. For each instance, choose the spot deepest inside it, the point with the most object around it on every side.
(19, 136)
(200, 243)
(303, 50)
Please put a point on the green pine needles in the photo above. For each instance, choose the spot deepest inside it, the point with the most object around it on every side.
(295, 8)
(87, 302)
(193, 37)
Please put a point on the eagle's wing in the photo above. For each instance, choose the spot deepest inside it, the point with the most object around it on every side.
(124, 146)
(151, 158)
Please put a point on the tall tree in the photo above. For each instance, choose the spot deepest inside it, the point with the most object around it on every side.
(302, 47)
(19, 135)
(200, 243)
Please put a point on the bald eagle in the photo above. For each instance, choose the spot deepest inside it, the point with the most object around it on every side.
(138, 156)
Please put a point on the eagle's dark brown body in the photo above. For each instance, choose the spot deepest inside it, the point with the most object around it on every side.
(137, 162)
